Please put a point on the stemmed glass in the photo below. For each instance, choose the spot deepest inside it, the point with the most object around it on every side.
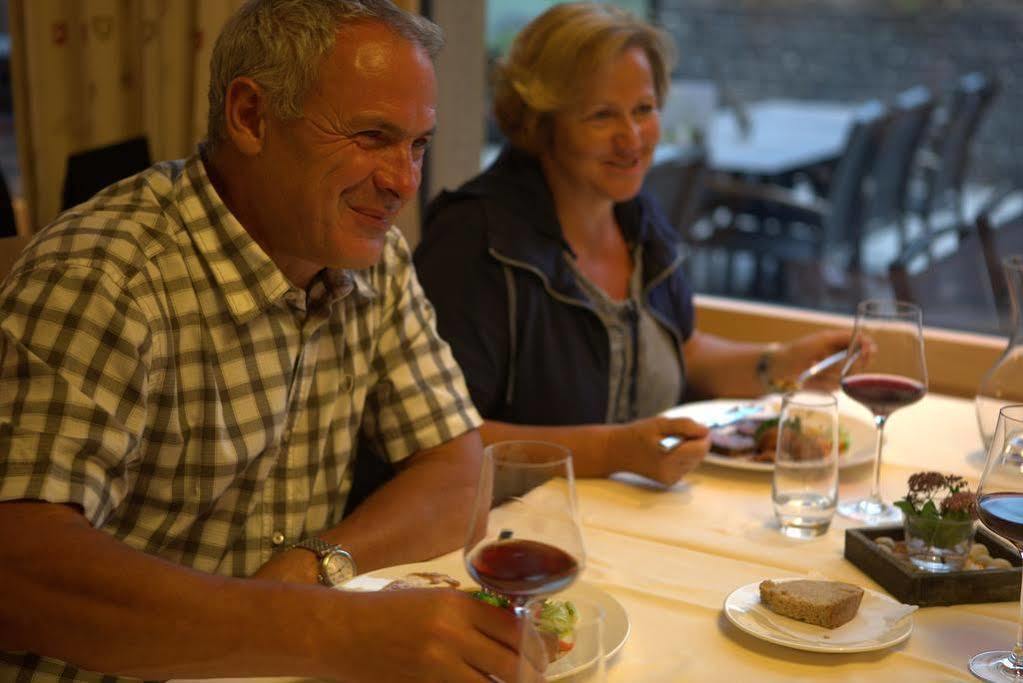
(531, 546)
(1000, 508)
(884, 371)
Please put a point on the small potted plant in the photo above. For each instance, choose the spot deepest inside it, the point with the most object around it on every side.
(940, 515)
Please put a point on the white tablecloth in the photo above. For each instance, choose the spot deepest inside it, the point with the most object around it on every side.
(671, 557)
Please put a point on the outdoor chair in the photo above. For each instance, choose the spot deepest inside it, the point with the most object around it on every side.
(677, 184)
(781, 229)
(90, 171)
(944, 163)
(896, 156)
(999, 226)
(946, 274)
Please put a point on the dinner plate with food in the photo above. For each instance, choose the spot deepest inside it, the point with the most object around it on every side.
(744, 433)
(819, 616)
(553, 616)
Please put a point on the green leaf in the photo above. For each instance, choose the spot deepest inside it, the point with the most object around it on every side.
(491, 598)
(763, 427)
(907, 507)
(929, 509)
(557, 616)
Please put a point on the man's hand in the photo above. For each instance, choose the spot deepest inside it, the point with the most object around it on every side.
(438, 635)
(635, 447)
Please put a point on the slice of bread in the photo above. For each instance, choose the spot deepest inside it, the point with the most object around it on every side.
(824, 603)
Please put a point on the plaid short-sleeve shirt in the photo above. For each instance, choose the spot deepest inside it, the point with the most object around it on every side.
(158, 370)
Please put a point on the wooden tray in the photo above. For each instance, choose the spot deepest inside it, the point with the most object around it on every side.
(912, 586)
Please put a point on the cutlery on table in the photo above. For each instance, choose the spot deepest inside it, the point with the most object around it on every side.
(743, 411)
(730, 416)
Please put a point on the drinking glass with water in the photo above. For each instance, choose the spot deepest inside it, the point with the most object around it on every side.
(805, 484)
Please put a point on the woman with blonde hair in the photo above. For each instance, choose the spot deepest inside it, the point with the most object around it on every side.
(559, 284)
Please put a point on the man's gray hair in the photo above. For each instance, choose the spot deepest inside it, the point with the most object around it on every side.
(281, 43)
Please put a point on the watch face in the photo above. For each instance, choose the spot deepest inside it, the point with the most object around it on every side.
(337, 568)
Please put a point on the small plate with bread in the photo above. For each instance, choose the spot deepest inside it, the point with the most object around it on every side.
(748, 443)
(819, 616)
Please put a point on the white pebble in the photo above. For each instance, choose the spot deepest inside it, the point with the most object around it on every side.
(979, 550)
(885, 541)
(970, 565)
(999, 563)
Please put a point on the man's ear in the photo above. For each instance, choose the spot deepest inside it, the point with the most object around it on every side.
(245, 114)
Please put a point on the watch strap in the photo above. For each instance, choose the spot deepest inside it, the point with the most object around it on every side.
(316, 545)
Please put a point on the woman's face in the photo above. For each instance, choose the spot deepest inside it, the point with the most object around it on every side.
(604, 143)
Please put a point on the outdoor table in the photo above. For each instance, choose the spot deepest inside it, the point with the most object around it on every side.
(784, 137)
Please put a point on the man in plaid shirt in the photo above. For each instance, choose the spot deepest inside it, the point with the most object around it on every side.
(188, 360)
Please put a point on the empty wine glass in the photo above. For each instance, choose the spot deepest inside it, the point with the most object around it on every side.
(884, 371)
(530, 546)
(1000, 508)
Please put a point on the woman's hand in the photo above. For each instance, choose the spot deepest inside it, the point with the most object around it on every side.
(636, 447)
(797, 355)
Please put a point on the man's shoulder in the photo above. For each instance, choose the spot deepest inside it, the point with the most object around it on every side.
(120, 230)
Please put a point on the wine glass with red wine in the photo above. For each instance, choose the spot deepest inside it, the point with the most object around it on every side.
(529, 546)
(884, 371)
(1000, 508)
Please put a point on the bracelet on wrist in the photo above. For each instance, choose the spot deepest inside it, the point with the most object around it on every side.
(765, 374)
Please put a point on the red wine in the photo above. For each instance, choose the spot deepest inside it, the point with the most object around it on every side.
(1003, 514)
(883, 394)
(519, 567)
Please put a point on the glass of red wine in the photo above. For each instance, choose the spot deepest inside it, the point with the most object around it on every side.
(529, 546)
(1000, 508)
(884, 371)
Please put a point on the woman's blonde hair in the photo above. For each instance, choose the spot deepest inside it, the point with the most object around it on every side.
(551, 57)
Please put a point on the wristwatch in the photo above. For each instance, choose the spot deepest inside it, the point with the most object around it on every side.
(336, 564)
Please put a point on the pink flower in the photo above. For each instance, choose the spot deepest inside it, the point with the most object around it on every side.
(961, 501)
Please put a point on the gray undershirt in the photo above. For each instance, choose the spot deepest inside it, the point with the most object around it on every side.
(659, 378)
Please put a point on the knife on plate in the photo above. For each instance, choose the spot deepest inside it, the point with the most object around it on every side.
(730, 416)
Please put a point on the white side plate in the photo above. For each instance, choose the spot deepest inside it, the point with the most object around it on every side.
(868, 630)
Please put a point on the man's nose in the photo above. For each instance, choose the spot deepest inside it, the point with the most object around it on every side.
(400, 173)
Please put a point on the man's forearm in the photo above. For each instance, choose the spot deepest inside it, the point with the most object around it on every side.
(76, 594)
(422, 513)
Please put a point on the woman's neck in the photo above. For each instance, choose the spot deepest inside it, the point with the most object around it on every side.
(589, 226)
(587, 222)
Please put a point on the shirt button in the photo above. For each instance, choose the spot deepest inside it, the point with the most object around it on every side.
(277, 538)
